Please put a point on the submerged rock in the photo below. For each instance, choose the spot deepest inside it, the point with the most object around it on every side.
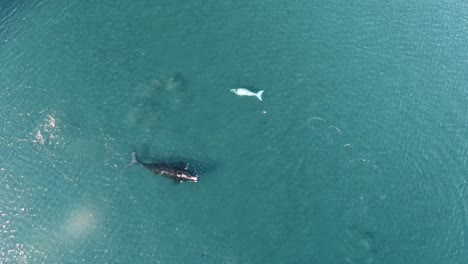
(152, 99)
(173, 83)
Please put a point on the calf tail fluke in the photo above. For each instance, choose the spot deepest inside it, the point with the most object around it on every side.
(259, 95)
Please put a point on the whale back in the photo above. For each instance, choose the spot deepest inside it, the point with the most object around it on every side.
(177, 171)
(173, 171)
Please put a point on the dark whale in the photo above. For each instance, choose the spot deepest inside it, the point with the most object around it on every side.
(173, 171)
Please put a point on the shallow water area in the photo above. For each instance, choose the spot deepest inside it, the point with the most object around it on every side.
(357, 153)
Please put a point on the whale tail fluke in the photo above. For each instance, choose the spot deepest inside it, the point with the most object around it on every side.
(259, 95)
(134, 160)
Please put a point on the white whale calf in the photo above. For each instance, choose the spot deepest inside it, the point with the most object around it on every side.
(245, 92)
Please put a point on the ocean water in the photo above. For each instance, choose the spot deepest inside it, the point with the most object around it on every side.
(357, 154)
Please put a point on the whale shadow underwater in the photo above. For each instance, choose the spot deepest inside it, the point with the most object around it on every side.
(177, 168)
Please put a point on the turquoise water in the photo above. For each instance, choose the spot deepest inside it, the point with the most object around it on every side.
(357, 154)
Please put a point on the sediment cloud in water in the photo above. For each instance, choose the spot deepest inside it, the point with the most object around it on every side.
(81, 222)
